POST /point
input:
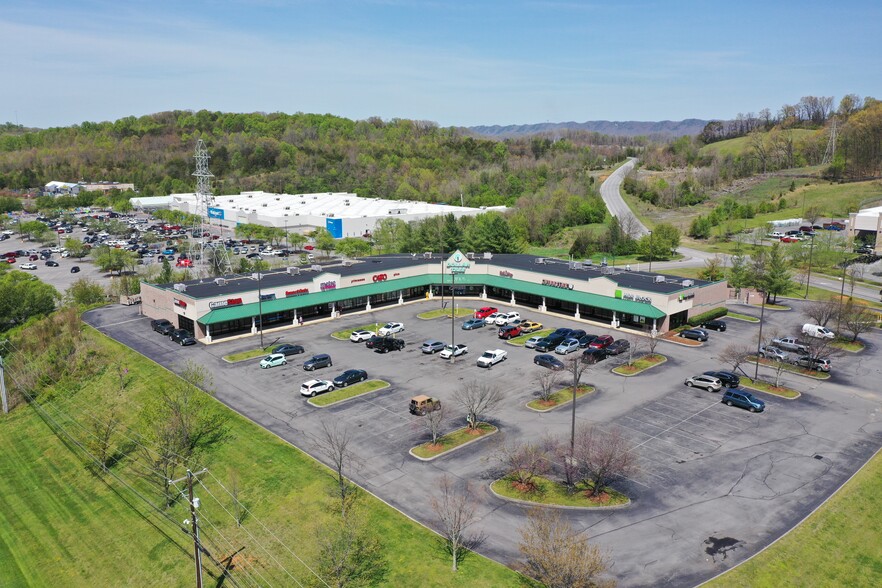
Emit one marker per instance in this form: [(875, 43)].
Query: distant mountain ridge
[(629, 128)]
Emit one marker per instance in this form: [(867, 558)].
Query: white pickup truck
[(491, 357)]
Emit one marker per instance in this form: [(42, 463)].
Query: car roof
[(420, 398), (313, 382)]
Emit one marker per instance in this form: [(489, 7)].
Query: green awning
[(231, 313)]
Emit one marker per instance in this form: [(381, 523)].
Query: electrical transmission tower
[(219, 257), (830, 153)]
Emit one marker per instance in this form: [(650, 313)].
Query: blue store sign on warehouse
[(335, 227), (216, 213)]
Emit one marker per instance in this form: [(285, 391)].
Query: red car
[(601, 342), (10, 260), (184, 263), (485, 312), (789, 239), (308, 247), (509, 331)]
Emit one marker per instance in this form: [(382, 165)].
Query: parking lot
[(708, 472)]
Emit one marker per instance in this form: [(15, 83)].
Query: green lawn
[(743, 317), (62, 526), (348, 392), (445, 312), (521, 339), (640, 364), (551, 492), (249, 354), (740, 145), (770, 388), (451, 441), (836, 546), (852, 346), (344, 334), (564, 396)]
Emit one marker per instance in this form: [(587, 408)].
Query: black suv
[(716, 325), (318, 361), (178, 335), (350, 377), (696, 334), (389, 344), (373, 341), (594, 355), (158, 324), (549, 343), (288, 349), (728, 379)]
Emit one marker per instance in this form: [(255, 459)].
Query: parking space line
[(140, 318), (676, 424)]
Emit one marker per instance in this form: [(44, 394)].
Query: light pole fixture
[(260, 305), (808, 276)]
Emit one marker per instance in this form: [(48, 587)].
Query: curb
[(556, 406), (444, 316), (452, 449), (744, 320), (341, 401), (641, 371), (560, 506), (798, 393), (233, 362)]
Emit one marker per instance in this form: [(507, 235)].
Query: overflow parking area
[(708, 471)]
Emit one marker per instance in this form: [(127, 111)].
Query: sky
[(457, 63)]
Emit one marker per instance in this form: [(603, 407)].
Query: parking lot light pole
[(650, 251), (260, 306), (452, 317), (808, 276), (759, 340)]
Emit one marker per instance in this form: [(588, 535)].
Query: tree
[(739, 274), (490, 232), (165, 275), (524, 461), (663, 241), (85, 292), (353, 247), (433, 422), (392, 235), (736, 354), (350, 554), (23, 296), (456, 510), (546, 380), (111, 259), (601, 457), (713, 269), (558, 557), (180, 422), (76, 248), (777, 279), (333, 442), (324, 241), (857, 319), (30, 228), (478, 400), (103, 427), (821, 311)]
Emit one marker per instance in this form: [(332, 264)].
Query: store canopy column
[(577, 315), (484, 293), (400, 297), (208, 333), (368, 305), (512, 298), (253, 326), (543, 307), (615, 321)]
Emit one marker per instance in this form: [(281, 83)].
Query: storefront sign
[(264, 297), (554, 284), (396, 274), (180, 303), (636, 298), (357, 280), (458, 263), (328, 285), (685, 297), (299, 292), (506, 274), (380, 278), (225, 303)]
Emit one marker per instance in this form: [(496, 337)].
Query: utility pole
[(808, 277), (194, 524), (3, 387)]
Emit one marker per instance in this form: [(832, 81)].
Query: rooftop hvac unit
[(348, 262), (220, 281), (587, 263), (576, 265), (277, 199), (488, 255), (264, 204), (180, 287), (427, 255), (470, 254), (606, 270), (287, 208), (293, 271), (250, 196), (255, 276), (687, 283), (346, 203), (315, 268), (540, 260), (659, 279)]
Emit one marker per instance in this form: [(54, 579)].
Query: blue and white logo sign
[(458, 263), (216, 213)]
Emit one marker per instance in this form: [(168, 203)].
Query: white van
[(817, 331), (776, 235)]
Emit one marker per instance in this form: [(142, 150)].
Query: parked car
[(531, 342), (548, 343), (562, 332), (618, 346), (287, 349), (576, 334), (473, 323), (817, 331), (390, 328), (177, 334), (485, 311), (422, 404), (451, 351), (507, 318), (716, 325), (601, 342), (772, 352), (548, 361), (432, 346), (359, 336), (490, 319), (387, 344), (586, 340), (51, 263), (743, 399), (350, 377), (491, 357), (27, 266), (157, 324), (695, 334), (373, 341), (313, 387), (509, 331), (272, 360), (814, 363), (530, 326), (74, 269), (165, 330), (790, 344), (709, 383), (567, 346), (593, 355), (318, 361), (729, 379), (188, 340)]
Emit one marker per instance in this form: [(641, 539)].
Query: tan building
[(106, 186)]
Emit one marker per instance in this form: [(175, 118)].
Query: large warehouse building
[(224, 307), (866, 225), (343, 214)]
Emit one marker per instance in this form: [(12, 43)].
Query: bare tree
[(601, 457), (652, 341), (857, 319), (103, 426), (235, 492), (350, 555), (478, 400), (433, 422), (630, 225), (822, 311), (546, 380), (557, 556), (575, 367), (736, 354), (333, 442), (456, 511), (635, 344), (524, 461)]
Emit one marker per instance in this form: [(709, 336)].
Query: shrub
[(707, 316)]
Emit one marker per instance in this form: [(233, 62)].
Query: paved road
[(716, 484), (612, 197)]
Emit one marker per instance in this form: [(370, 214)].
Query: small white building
[(56, 188), (864, 222)]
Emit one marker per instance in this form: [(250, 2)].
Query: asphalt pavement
[(716, 483)]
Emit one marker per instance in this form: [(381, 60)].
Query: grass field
[(445, 312), (60, 525), (248, 354), (836, 546), (559, 398), (344, 334), (550, 492), (348, 392), (769, 388), (740, 145), (640, 364)]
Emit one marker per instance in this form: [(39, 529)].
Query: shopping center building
[(215, 309)]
